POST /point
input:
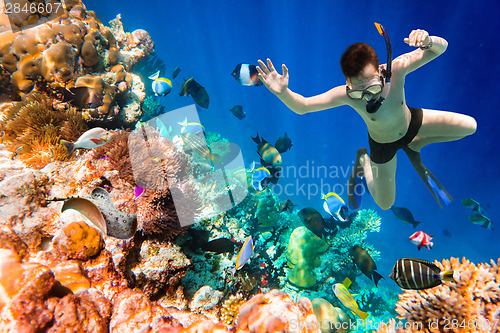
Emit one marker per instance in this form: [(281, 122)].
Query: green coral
[(303, 255), (267, 209), (151, 107)]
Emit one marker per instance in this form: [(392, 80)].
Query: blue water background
[(206, 39)]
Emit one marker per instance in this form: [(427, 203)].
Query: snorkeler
[(377, 94)]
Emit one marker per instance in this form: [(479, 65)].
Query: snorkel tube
[(372, 107)]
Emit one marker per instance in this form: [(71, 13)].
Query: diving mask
[(372, 88)]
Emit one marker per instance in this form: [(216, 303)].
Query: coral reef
[(471, 303), (159, 265), (63, 53), (275, 311), (304, 255)]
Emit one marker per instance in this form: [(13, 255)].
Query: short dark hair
[(356, 57)]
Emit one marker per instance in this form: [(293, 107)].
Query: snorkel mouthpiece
[(372, 106)]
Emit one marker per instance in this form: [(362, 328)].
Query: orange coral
[(471, 303), (78, 240)]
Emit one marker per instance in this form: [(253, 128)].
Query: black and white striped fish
[(418, 274)]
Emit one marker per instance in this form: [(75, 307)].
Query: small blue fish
[(335, 206), (193, 128), (244, 255), (260, 177), (161, 86)]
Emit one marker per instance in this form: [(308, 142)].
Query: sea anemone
[(33, 129)]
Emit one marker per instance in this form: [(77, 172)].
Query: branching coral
[(32, 129), (471, 303), (230, 309)]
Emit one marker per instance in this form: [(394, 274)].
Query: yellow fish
[(345, 297)]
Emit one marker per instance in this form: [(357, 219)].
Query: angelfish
[(93, 138), (244, 255)]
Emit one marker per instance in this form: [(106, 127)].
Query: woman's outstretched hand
[(275, 82)]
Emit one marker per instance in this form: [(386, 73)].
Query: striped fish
[(418, 274), (345, 297)]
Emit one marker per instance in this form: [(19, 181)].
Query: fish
[(422, 239), (244, 255), (345, 297), (365, 263), (418, 274), (446, 232), (286, 205), (196, 90), (83, 97), (260, 177), (335, 206), (481, 221), (313, 221), (92, 138), (405, 215), (473, 205), (99, 209), (246, 74), (176, 72), (269, 157), (161, 86), (237, 110), (191, 127), (219, 245), (283, 144)]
